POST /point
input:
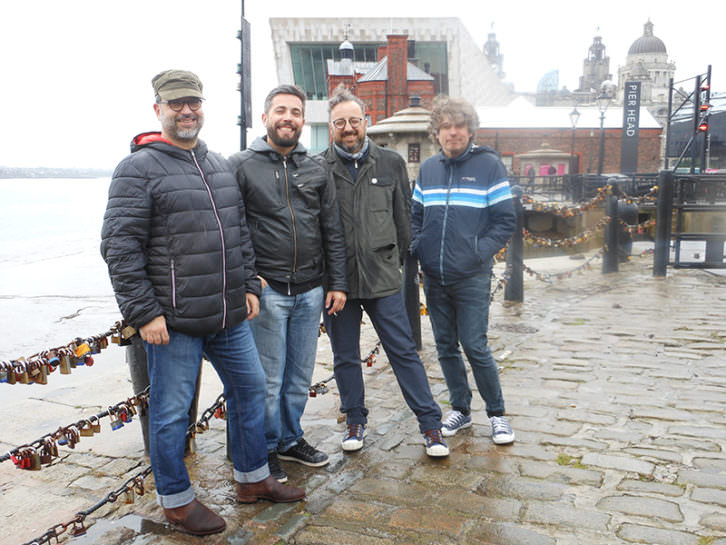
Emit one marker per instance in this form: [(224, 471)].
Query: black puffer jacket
[(172, 240), (292, 215)]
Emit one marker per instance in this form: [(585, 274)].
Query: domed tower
[(647, 62)]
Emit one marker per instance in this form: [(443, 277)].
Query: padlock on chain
[(115, 421), (86, 429), (65, 362), (95, 423)]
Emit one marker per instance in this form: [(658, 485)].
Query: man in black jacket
[(183, 273), (298, 242), (374, 197)]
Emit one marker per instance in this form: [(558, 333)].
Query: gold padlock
[(127, 332), (86, 429), (35, 464), (65, 364), (21, 371), (95, 424)]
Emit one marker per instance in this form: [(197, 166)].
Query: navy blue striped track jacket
[(461, 215)]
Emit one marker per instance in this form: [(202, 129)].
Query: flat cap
[(176, 84)]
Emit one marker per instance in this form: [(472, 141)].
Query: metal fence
[(696, 203)]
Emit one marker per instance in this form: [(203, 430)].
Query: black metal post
[(601, 152), (610, 258), (668, 122), (706, 102), (411, 298), (514, 289), (245, 87), (696, 121), (663, 220)]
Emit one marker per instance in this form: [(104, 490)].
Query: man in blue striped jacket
[(462, 214)]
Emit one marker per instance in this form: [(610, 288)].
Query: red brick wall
[(396, 88), (587, 142)]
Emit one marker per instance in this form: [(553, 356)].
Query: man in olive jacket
[(374, 197)]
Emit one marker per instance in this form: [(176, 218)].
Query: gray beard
[(187, 134)]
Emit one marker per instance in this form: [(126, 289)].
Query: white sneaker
[(455, 421), (502, 433), (435, 444), (353, 438)]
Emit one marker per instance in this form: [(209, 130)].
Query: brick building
[(522, 128), (385, 86)]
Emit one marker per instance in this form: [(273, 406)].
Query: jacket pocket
[(380, 193), (173, 284)]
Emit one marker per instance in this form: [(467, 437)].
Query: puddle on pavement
[(138, 524)]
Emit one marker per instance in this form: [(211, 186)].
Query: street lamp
[(574, 117), (603, 101)]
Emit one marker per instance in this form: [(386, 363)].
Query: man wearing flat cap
[(183, 274)]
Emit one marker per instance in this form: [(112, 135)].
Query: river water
[(53, 282)]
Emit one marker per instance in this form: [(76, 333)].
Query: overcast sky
[(75, 75)]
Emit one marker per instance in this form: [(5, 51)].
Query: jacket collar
[(153, 139), (260, 145)]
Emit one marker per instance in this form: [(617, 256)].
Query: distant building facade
[(595, 68), (442, 48), (520, 129), (386, 86), (647, 62)]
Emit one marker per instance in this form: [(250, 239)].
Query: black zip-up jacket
[(175, 239), (375, 209), (293, 217)]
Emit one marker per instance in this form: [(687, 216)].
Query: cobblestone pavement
[(615, 386)]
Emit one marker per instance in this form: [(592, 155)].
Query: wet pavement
[(615, 385)]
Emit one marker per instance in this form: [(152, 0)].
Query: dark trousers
[(388, 316)]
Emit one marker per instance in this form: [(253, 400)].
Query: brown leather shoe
[(269, 489), (195, 518)]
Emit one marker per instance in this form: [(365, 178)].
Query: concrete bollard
[(136, 360), (514, 289)]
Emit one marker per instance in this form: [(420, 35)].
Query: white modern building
[(441, 47)]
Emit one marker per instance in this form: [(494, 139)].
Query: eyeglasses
[(178, 105), (354, 122)]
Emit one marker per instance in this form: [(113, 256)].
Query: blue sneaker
[(435, 444), (455, 421), (353, 438), (502, 433)]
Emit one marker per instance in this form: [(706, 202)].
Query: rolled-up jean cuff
[(254, 476), (176, 500)]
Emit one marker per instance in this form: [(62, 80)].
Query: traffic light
[(703, 126)]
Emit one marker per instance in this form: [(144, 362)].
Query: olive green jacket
[(375, 211)]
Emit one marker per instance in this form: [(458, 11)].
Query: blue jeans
[(173, 371), (286, 335), (390, 321), (459, 312)]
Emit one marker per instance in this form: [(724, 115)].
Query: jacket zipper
[(173, 285), (443, 223), (221, 236), (292, 217)]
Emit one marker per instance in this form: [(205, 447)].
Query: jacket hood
[(155, 140), (260, 145), (472, 149)]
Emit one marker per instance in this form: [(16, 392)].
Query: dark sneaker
[(435, 444), (275, 467), (455, 421), (304, 453), (502, 433), (353, 438)]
